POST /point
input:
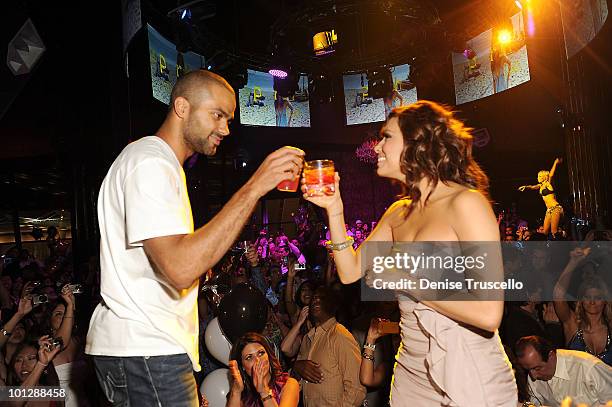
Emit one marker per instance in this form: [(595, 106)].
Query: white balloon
[(215, 387), (216, 343)]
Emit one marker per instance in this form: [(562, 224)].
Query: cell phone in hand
[(389, 327), (299, 266)]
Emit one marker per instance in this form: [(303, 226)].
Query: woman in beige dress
[(451, 354)]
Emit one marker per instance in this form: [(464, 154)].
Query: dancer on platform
[(554, 210), (144, 333), (451, 354)]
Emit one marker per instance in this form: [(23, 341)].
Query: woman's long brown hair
[(437, 146)]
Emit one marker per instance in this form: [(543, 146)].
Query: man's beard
[(199, 145)]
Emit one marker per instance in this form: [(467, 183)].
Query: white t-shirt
[(144, 195)]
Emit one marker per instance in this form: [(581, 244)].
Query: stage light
[(185, 14), (278, 73), (504, 37), (518, 4)]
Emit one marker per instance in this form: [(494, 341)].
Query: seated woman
[(256, 376), (588, 328), (31, 366)]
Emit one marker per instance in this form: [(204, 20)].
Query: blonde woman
[(554, 210)]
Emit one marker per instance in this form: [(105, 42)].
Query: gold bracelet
[(340, 246)]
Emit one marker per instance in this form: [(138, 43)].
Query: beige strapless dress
[(442, 363)]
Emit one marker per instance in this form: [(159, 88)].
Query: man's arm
[(183, 258)]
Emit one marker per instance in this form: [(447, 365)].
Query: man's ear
[(181, 107)]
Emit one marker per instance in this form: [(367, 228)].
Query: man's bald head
[(195, 86)]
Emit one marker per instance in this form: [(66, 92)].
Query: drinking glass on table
[(319, 177)]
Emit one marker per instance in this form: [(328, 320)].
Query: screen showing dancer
[(261, 105), (362, 108), (492, 62), (167, 64)]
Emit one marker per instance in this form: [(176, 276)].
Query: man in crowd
[(329, 358), (558, 373)]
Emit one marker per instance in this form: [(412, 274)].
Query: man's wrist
[(251, 190)]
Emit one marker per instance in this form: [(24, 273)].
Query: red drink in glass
[(289, 185), (319, 177)]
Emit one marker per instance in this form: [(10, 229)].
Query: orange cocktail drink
[(319, 177)]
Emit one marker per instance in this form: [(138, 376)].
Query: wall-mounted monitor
[(261, 105), (167, 64), (362, 108), (492, 62)]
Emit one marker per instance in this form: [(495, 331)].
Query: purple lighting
[(278, 73)]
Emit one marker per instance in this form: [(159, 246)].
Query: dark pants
[(147, 381)]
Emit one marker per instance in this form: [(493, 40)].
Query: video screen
[(260, 105), (582, 20), (492, 62), (361, 108), (167, 64)]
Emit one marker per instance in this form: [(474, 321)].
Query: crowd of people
[(295, 273), (46, 305)]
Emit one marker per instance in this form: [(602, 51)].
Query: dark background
[(63, 124)]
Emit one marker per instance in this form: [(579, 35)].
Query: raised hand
[(236, 383), (521, 188), (25, 305), (67, 294), (374, 332), (303, 315), (284, 163), (46, 350), (259, 377), (322, 200), (579, 253)]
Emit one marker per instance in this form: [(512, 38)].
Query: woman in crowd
[(554, 210), (588, 328), (70, 364), (31, 366), (451, 353), (12, 334), (256, 377)]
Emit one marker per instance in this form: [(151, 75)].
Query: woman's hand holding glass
[(329, 202)]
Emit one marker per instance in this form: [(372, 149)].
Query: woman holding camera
[(70, 364), (31, 366), (256, 378)]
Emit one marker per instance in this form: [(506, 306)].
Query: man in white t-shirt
[(144, 333)]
